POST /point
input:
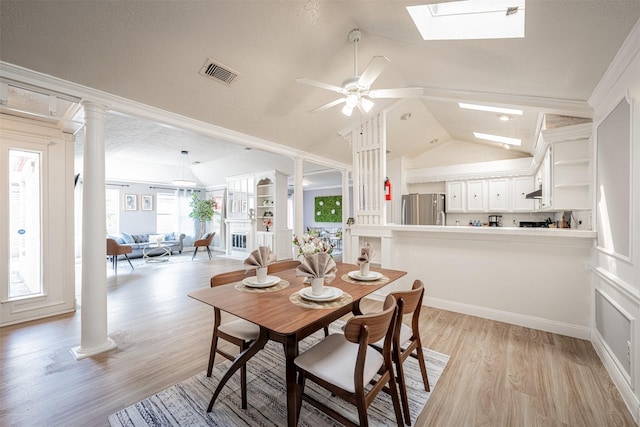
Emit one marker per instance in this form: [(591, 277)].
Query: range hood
[(535, 194)]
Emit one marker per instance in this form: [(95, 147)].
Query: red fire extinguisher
[(387, 189)]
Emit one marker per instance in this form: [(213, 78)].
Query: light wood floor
[(498, 374)]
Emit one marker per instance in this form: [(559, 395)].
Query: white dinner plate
[(252, 282), (329, 294), (373, 275)]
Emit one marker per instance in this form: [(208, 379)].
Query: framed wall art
[(146, 202), (328, 209), (130, 202)]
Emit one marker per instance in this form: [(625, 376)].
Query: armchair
[(114, 249), (204, 242)]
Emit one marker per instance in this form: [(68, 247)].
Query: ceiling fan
[(357, 89)]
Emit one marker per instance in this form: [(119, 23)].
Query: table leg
[(290, 353), (239, 361)]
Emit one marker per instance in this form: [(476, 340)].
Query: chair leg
[(423, 366), (394, 398), (194, 253), (326, 331), (209, 252), (243, 379), (300, 392), (403, 389), (127, 256), (115, 264), (214, 347)]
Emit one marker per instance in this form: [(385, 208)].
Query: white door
[(36, 225)]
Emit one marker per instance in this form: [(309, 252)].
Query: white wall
[(615, 297), (460, 152), (309, 203)]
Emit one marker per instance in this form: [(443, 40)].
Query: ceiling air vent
[(219, 72)]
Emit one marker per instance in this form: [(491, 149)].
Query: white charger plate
[(252, 282), (373, 275), (329, 294)]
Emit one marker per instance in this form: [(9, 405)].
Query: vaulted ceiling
[(151, 52)]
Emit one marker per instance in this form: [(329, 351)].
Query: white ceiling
[(151, 53)]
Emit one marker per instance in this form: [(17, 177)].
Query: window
[(167, 218), (113, 210), (470, 19), (25, 224)]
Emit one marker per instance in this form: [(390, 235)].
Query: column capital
[(94, 107)]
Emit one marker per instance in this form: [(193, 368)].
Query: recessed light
[(506, 146), (498, 138), (433, 141), (405, 116), (248, 148), (504, 118), (490, 108)]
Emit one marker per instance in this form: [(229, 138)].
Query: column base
[(80, 353)]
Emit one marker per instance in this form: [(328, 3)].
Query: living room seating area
[(138, 242)]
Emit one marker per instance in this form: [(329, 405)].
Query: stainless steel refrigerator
[(423, 209)]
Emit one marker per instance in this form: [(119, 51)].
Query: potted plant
[(202, 210)]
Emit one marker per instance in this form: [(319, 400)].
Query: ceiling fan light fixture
[(352, 100), (347, 110), (185, 177), (366, 104)]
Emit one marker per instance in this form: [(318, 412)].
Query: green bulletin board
[(328, 209)]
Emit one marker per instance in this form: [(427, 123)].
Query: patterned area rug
[(185, 404)]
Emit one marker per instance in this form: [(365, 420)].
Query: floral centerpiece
[(267, 223), (309, 245)]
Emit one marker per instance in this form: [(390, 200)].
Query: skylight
[(470, 19), (490, 108), (497, 138)]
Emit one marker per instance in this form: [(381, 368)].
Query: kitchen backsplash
[(581, 220)]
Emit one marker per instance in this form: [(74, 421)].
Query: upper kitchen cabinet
[(523, 185), (456, 194), (566, 168), (498, 194), (476, 196)]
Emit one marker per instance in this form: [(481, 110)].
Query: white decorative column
[(93, 307), (347, 254), (298, 197)]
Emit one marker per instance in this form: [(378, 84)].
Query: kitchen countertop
[(390, 229)]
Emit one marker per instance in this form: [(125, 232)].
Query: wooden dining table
[(283, 321)]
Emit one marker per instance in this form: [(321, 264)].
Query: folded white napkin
[(318, 265), (260, 258), (366, 254)]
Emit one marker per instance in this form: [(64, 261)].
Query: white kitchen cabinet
[(522, 185), (455, 201), (565, 170), (498, 194), (476, 196)]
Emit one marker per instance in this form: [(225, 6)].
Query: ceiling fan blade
[(328, 105), (405, 92), (373, 70), (321, 85)]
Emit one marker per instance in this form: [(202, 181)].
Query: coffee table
[(157, 253)]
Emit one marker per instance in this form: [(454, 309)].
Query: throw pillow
[(128, 238), (153, 238), (170, 236)]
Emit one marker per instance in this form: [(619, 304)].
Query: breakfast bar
[(533, 277)]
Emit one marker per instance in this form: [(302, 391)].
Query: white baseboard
[(538, 323), (617, 374)]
